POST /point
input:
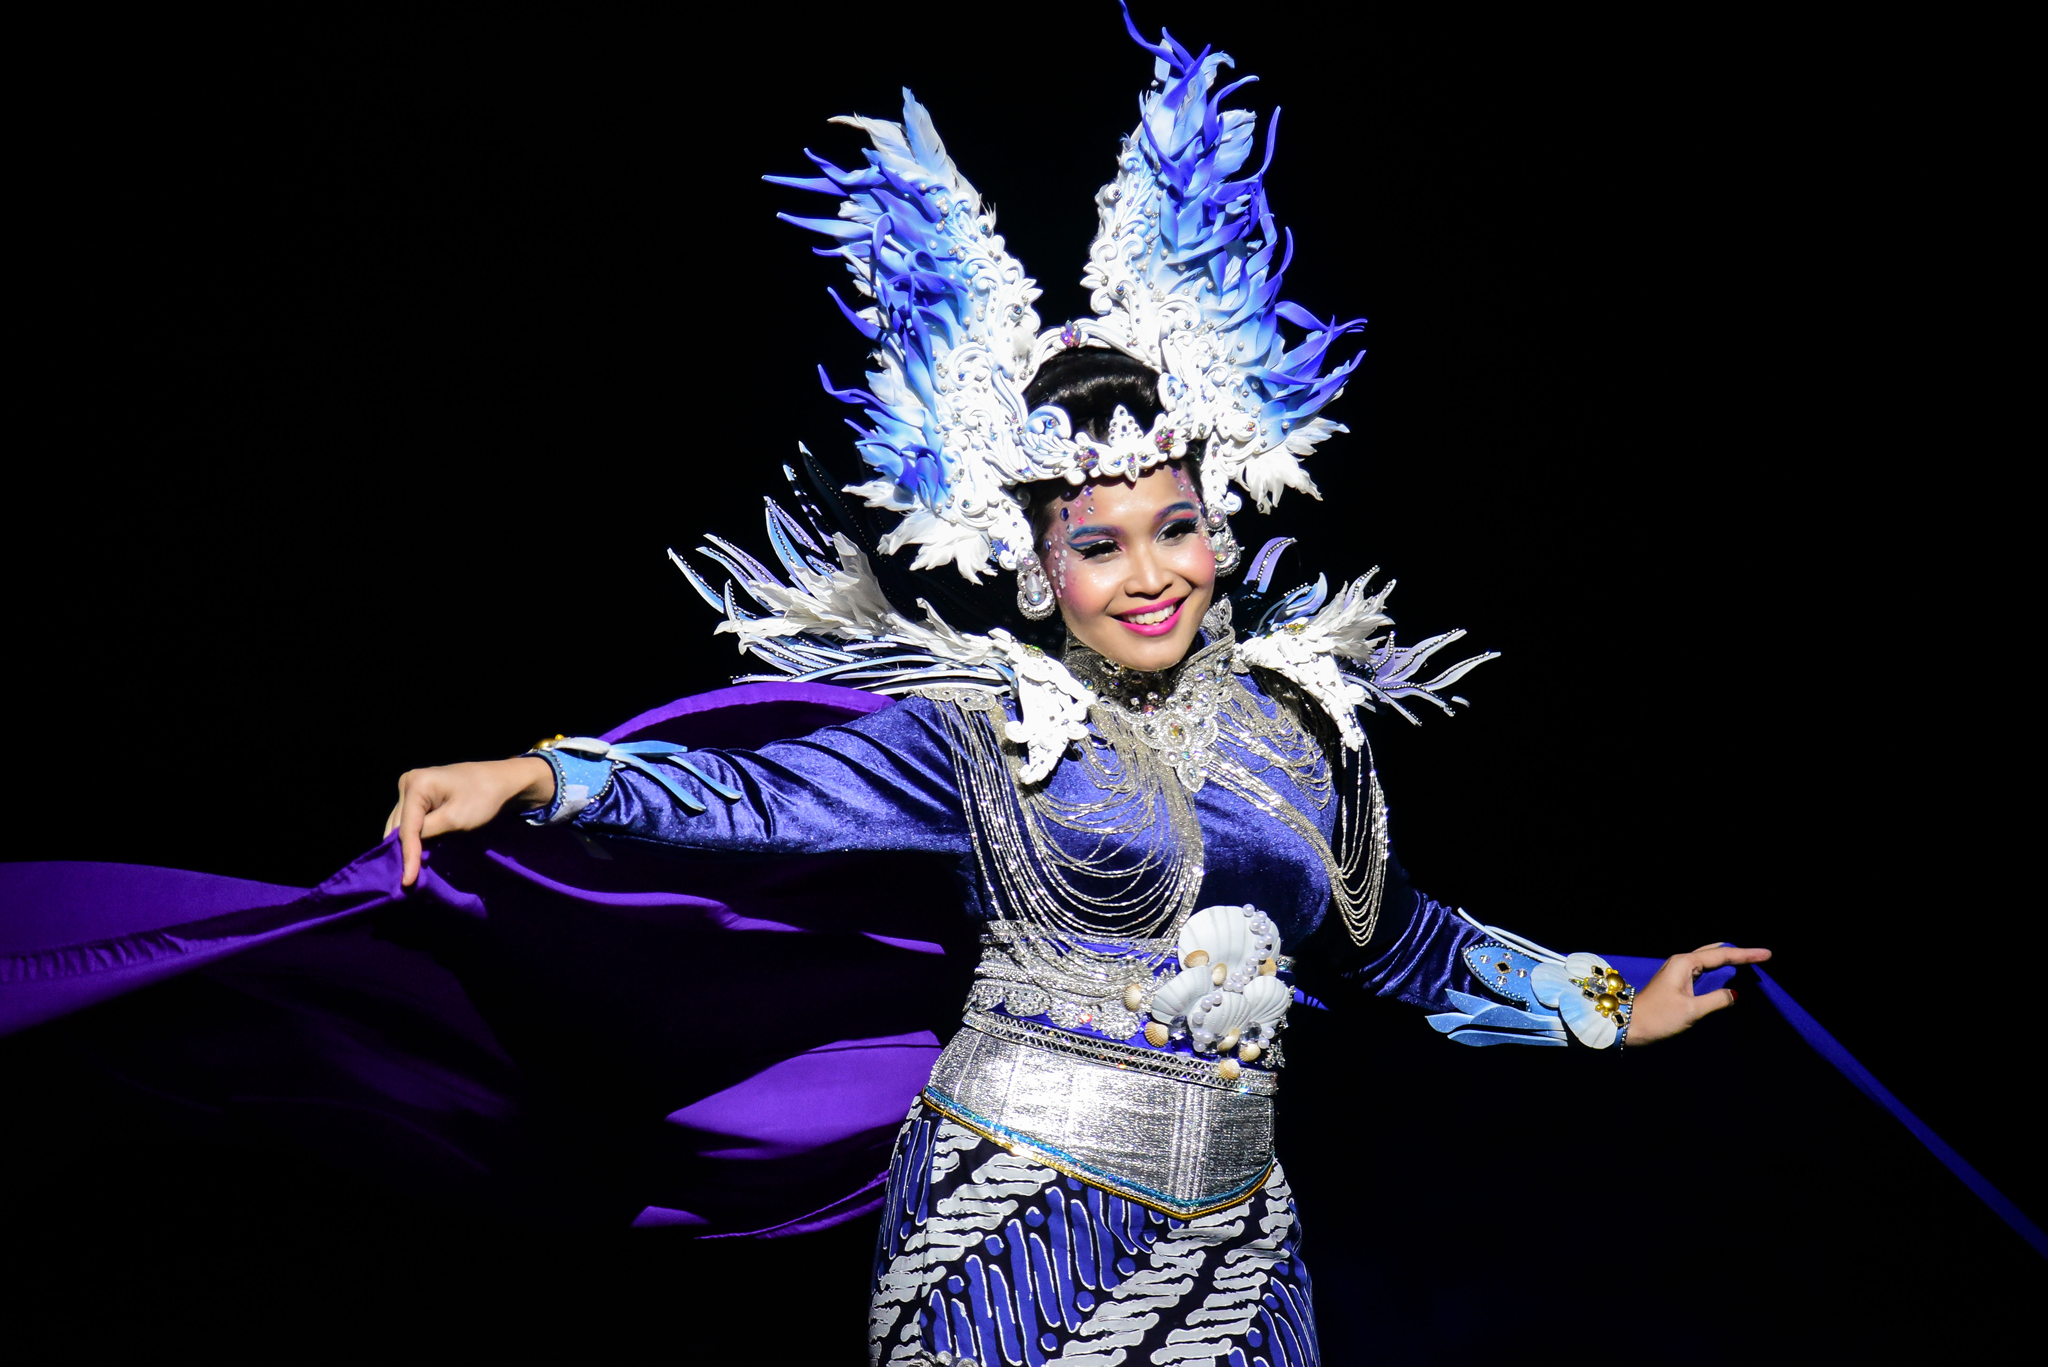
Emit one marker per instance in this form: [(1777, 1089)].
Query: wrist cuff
[(1579, 996), (579, 781)]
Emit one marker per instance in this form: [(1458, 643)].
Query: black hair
[(1089, 384)]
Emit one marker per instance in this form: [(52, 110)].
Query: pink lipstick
[(1159, 628)]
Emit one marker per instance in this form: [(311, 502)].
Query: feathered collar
[(833, 624)]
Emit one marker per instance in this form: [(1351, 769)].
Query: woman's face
[(1132, 568)]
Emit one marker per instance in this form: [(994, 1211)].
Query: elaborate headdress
[(1184, 275)]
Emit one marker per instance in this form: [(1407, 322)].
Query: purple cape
[(535, 1028)]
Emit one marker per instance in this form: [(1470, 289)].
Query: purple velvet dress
[(992, 1248)]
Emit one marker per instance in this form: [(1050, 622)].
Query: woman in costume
[(1159, 826)]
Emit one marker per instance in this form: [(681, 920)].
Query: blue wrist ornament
[(1549, 994), (584, 766)]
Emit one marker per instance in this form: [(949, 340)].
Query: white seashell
[(1266, 1000), (1177, 995), (1228, 1070), (1219, 975), (1229, 1016), (1249, 1053), (1584, 965), (1220, 932), (1594, 1030), (1134, 997), (1227, 1043), (1549, 982)]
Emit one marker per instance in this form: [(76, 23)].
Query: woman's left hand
[(1666, 1005)]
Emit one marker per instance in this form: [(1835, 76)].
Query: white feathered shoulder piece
[(1341, 652), (831, 623), (828, 621)]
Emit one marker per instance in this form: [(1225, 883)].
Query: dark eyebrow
[(1183, 506)]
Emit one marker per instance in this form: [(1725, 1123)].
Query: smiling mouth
[(1153, 621)]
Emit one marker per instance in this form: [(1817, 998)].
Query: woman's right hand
[(462, 797)]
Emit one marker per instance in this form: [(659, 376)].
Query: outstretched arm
[(1487, 986), (883, 782)]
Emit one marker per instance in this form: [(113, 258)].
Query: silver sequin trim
[(1124, 1057)]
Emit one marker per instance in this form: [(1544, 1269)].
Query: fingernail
[(1733, 996)]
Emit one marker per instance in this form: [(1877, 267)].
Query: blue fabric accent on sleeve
[(579, 781), (1485, 1037)]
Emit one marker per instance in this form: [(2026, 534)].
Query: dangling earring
[(1034, 593), (1222, 541)]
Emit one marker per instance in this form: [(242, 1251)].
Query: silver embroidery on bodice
[(1090, 876), (1088, 893)]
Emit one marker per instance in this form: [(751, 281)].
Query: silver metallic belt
[(1178, 1147)]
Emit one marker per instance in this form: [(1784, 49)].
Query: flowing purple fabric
[(754, 1042)]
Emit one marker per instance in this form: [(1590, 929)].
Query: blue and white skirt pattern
[(987, 1257)]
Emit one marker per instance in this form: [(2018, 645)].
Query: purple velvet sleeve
[(1417, 960), (882, 782)]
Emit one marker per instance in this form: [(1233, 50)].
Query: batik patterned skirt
[(990, 1258)]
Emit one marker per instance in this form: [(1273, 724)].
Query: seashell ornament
[(1268, 999), (1227, 991), (1554, 987), (1177, 996), (1226, 1019)]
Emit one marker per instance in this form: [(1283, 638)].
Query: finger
[(440, 821), (1720, 956), (391, 821), (409, 836), (1720, 999)]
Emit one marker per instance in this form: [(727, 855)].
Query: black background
[(369, 368)]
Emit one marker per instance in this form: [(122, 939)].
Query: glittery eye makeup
[(1095, 542), (1056, 563)]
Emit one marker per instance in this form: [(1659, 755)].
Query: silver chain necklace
[(1172, 711)]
